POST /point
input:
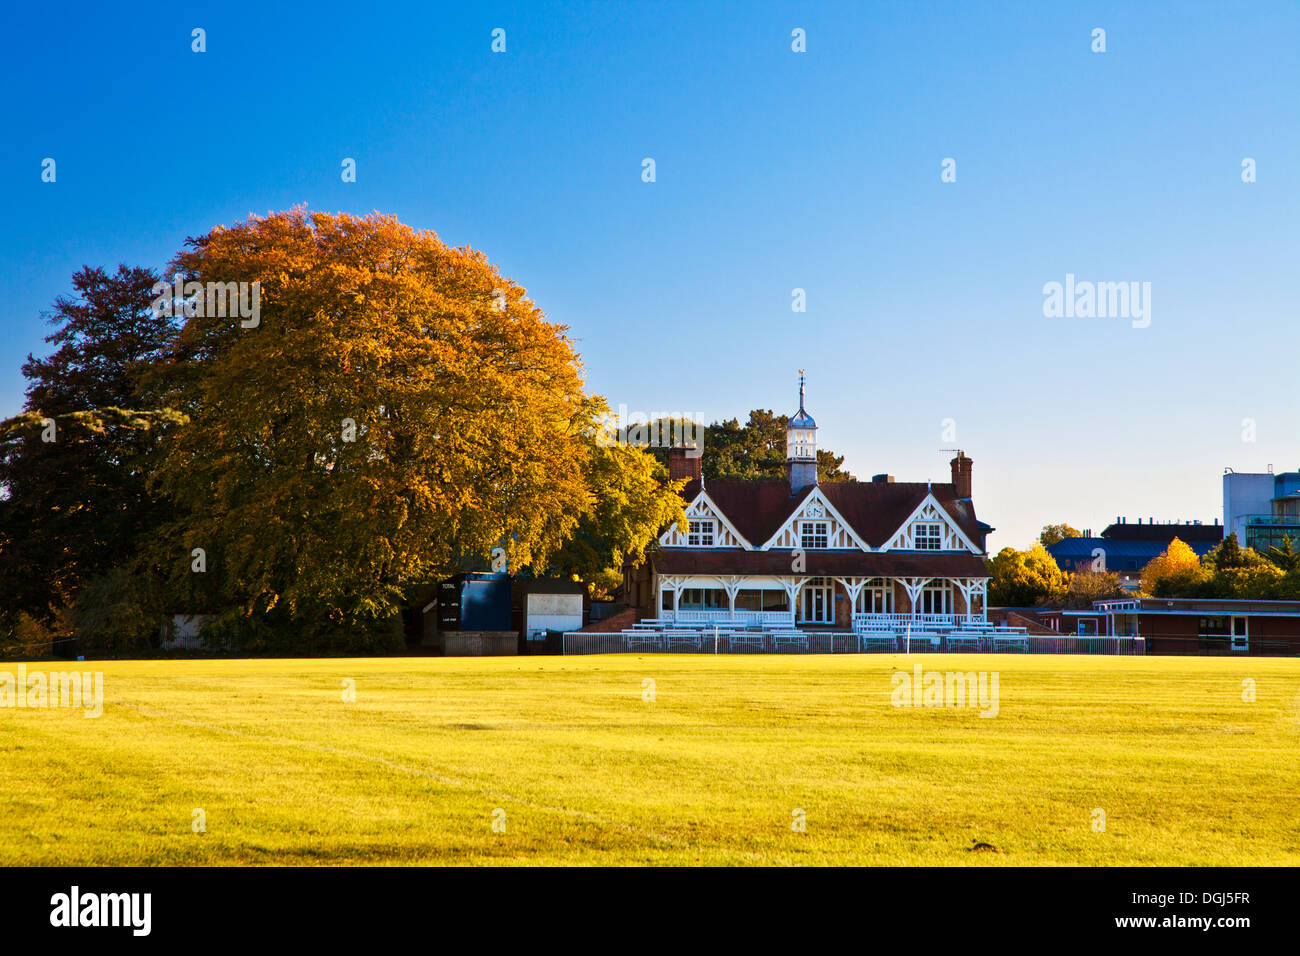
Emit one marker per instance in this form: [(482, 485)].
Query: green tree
[(1285, 555), (1025, 578), (634, 502), (1231, 571), (753, 451), (73, 495)]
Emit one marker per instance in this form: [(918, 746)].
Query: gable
[(817, 514), (721, 532), (873, 513), (930, 524)]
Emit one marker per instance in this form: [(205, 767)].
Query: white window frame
[(930, 532), (807, 528), (826, 587), (877, 597), (944, 591), (1239, 642), (698, 529)]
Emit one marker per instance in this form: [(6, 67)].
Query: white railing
[(723, 616), (865, 622), (989, 640)]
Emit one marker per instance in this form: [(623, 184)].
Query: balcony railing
[(1273, 521), (864, 622), (724, 616)]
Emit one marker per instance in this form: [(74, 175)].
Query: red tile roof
[(875, 510)]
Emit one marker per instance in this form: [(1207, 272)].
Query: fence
[(839, 642)]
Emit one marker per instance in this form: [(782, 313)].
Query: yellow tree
[(395, 409), (1174, 573)]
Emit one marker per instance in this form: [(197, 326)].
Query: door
[(817, 604), (1241, 634)]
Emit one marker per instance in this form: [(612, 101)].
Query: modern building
[(817, 555), (1125, 548), (1262, 509)]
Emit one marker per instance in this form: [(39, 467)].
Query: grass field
[(711, 771)]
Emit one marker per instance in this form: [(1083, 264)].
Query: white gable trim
[(816, 508), (702, 506), (930, 511)]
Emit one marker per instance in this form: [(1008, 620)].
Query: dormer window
[(814, 534), (927, 537), (700, 533)]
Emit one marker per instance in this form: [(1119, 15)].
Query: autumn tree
[(634, 503), (1025, 578), (1085, 587), (396, 408), (1176, 572), (1053, 533), (73, 496)]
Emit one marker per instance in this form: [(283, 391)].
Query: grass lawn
[(710, 772)]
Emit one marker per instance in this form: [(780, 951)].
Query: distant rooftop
[(1188, 531)]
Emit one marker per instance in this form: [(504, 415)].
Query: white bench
[(683, 638), (748, 638), (789, 639), (965, 641), (879, 641), (643, 638)]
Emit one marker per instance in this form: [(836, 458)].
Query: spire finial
[(801, 389)]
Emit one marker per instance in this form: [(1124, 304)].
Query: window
[(877, 597), (1222, 628), (1214, 626), (775, 601), (700, 534), (928, 537), (936, 599), (701, 599), (814, 534)]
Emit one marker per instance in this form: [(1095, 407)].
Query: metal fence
[(839, 642)]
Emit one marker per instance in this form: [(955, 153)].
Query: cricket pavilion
[(873, 556)]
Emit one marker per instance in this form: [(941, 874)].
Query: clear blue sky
[(775, 170)]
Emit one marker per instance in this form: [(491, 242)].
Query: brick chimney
[(682, 465), (961, 475)]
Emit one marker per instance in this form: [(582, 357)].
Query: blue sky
[(775, 170)]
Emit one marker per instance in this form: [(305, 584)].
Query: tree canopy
[(1053, 533), (390, 411), (752, 451), (1025, 578), (73, 496), (1175, 572)]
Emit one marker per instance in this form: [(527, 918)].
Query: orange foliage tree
[(396, 409)]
